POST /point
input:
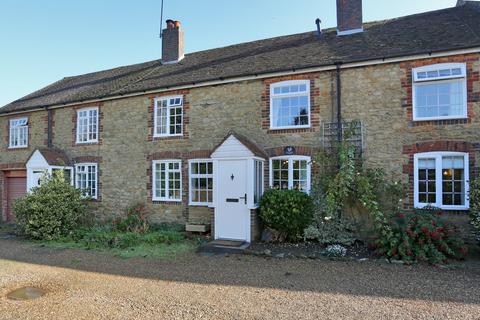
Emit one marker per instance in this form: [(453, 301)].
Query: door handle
[(244, 198)]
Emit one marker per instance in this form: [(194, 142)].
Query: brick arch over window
[(432, 146)]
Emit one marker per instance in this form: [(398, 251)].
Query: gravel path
[(91, 285)]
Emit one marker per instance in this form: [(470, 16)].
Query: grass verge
[(160, 241)]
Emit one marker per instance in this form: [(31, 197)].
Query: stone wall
[(376, 95)]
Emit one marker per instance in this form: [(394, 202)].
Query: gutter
[(293, 71)]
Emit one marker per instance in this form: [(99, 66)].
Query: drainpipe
[(49, 127), (339, 102)]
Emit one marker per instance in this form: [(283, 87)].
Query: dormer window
[(290, 104), (440, 92), (18, 135)]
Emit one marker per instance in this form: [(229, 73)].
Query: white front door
[(34, 177), (232, 216)]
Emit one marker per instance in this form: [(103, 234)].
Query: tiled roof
[(55, 157), (442, 30)]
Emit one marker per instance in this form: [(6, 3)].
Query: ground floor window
[(86, 179), (441, 180), (201, 182), (167, 180), (290, 172)]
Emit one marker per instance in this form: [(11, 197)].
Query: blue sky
[(43, 41)]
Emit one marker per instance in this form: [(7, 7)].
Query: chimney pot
[(172, 43), (349, 17)]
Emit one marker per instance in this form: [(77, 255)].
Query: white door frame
[(250, 190)]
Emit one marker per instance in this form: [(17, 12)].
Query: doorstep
[(224, 246)]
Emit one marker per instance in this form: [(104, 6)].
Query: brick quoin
[(314, 107), (151, 114), (432, 146), (473, 75)]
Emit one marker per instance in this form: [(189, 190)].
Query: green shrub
[(135, 220), (336, 230), (51, 211), (423, 235), (475, 205), (287, 211)]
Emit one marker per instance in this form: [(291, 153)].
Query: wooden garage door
[(16, 188)]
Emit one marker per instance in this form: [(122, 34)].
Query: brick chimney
[(172, 43), (349, 17)]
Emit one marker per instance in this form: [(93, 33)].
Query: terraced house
[(198, 137)]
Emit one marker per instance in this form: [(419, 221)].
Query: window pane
[(440, 99)]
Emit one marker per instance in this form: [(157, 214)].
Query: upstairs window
[(18, 133), (290, 172), (86, 179), (168, 117), (441, 180), (290, 104), (87, 125), (440, 92)]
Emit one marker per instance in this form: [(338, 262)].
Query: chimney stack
[(172, 43), (349, 17)]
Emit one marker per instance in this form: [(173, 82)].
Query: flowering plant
[(423, 235)]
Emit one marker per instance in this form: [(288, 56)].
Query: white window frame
[(280, 95), (290, 170), (438, 179), (258, 183), (199, 175), (154, 182), (88, 132), (440, 79), (88, 164), (157, 101), (17, 130)]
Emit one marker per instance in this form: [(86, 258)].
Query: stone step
[(224, 246)]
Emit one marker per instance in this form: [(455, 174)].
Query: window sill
[(446, 208), (17, 148), (86, 142), (440, 118), (289, 128), (168, 136), (200, 204), (163, 200)]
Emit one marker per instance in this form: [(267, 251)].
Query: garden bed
[(309, 250)]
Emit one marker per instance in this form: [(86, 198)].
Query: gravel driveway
[(91, 285)]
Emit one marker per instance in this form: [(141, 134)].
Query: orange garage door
[(16, 188)]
